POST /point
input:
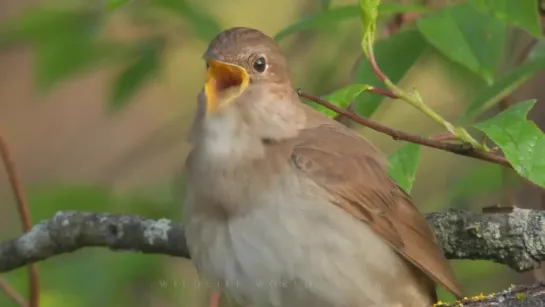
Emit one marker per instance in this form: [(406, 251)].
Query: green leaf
[(392, 62), (332, 16), (493, 94), (65, 41), (538, 51), (320, 20), (341, 98), (466, 36), (114, 4), (203, 24), (369, 16), (62, 57), (135, 74), (522, 13), (42, 23), (521, 141), (403, 165)]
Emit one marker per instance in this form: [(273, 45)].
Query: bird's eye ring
[(260, 65)]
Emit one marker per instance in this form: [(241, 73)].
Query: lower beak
[(224, 83)]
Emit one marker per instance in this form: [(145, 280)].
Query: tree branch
[(514, 237), (24, 215), (69, 231), (13, 294), (459, 149), (516, 296)]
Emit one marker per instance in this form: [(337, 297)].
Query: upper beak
[(224, 82)]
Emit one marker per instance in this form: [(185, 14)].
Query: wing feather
[(354, 173)]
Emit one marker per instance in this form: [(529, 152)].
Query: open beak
[(224, 82)]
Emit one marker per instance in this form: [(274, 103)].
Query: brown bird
[(287, 207)]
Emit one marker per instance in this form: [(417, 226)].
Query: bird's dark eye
[(260, 65)]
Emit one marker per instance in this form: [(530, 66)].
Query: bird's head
[(247, 92), (239, 59)]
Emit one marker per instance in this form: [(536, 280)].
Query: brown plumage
[(287, 207)]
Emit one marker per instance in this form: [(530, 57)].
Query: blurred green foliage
[(146, 63), (481, 180), (69, 39), (332, 16)]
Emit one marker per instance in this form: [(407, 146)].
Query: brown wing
[(354, 172)]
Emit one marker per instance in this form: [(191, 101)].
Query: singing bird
[(287, 207)]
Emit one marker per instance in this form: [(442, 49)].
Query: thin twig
[(215, 299), (415, 100), (459, 149), (374, 65), (382, 92), (24, 214), (394, 24), (13, 294), (444, 137), (391, 28)]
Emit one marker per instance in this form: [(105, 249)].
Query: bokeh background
[(75, 151)]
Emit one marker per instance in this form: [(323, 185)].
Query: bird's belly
[(299, 253)]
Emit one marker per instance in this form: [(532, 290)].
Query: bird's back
[(355, 171)]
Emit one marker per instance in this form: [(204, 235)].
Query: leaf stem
[(416, 101)]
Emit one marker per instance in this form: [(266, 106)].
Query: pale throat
[(246, 118), (225, 136)]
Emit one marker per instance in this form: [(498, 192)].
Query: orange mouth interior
[(224, 82)]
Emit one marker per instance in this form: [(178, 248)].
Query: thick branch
[(516, 296), (69, 231), (516, 239)]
